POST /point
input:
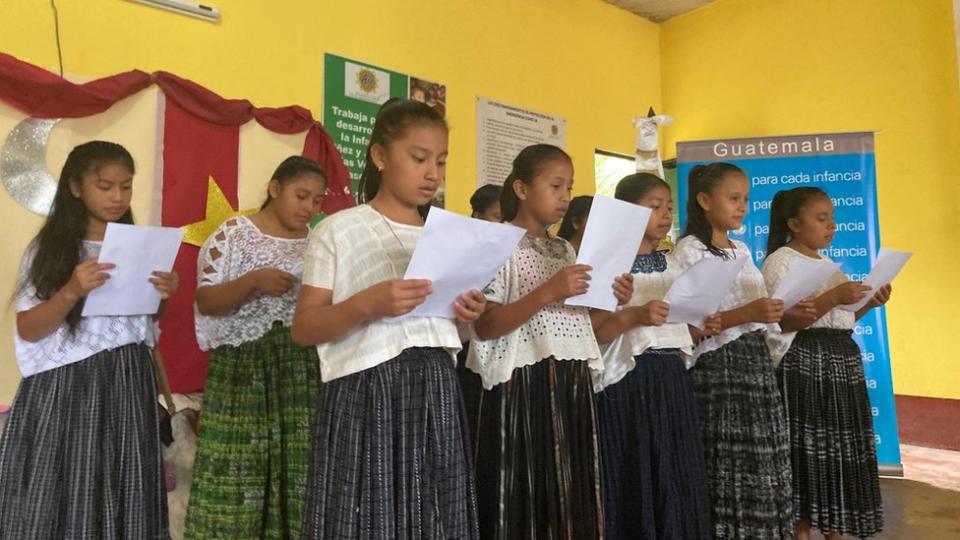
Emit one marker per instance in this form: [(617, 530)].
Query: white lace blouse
[(775, 267), (561, 331), (748, 287), (91, 336), (349, 252), (237, 248), (653, 274)]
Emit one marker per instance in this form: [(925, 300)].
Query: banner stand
[(844, 166)]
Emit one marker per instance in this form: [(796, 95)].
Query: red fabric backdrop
[(201, 139)]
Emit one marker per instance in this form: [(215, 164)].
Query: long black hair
[(578, 212), (394, 118), (483, 198), (59, 244), (786, 206), (526, 166), (291, 169), (702, 179), (633, 187)]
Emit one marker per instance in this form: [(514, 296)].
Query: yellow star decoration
[(217, 211)]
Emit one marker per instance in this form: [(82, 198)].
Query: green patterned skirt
[(253, 453)]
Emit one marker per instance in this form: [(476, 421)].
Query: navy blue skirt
[(654, 471)]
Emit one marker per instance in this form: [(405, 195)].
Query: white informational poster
[(504, 130)]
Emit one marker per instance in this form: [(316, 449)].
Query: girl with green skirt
[(261, 389)]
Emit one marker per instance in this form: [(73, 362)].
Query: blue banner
[(843, 165)]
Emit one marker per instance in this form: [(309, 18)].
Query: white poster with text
[(504, 130)]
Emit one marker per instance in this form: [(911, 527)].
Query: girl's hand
[(469, 306), (653, 313), (850, 292), (570, 281), (623, 288), (711, 325), (272, 282), (766, 310), (881, 298), (396, 297), (805, 311), (86, 277), (166, 283)]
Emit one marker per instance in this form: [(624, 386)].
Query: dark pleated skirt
[(746, 441), (836, 486), (472, 389), (80, 457), (538, 471), (390, 454), (253, 452), (654, 474)]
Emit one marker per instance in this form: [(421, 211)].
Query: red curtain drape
[(42, 94), (201, 140)]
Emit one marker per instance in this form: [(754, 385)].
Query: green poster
[(353, 93)]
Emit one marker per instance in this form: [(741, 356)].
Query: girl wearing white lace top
[(836, 486), (535, 356), (261, 388), (655, 478), (741, 411), (390, 449), (81, 456)]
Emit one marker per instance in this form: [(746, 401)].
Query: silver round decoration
[(23, 165)]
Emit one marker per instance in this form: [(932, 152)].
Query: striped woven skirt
[(538, 470), (80, 457), (746, 441), (654, 474), (253, 450), (391, 454), (836, 486), (472, 389)]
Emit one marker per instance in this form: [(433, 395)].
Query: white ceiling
[(659, 10)]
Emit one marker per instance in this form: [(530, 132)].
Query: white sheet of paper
[(888, 265), (698, 291), (804, 277), (612, 236), (458, 254), (137, 251)]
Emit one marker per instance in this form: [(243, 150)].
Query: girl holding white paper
[(537, 463), (260, 394), (655, 479), (741, 411), (391, 454), (81, 455), (836, 486)]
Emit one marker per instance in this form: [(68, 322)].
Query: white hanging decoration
[(648, 142)]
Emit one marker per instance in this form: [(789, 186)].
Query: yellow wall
[(589, 62), (733, 68), (769, 67)]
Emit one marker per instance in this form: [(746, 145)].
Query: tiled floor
[(925, 504), (916, 511), (939, 468)]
